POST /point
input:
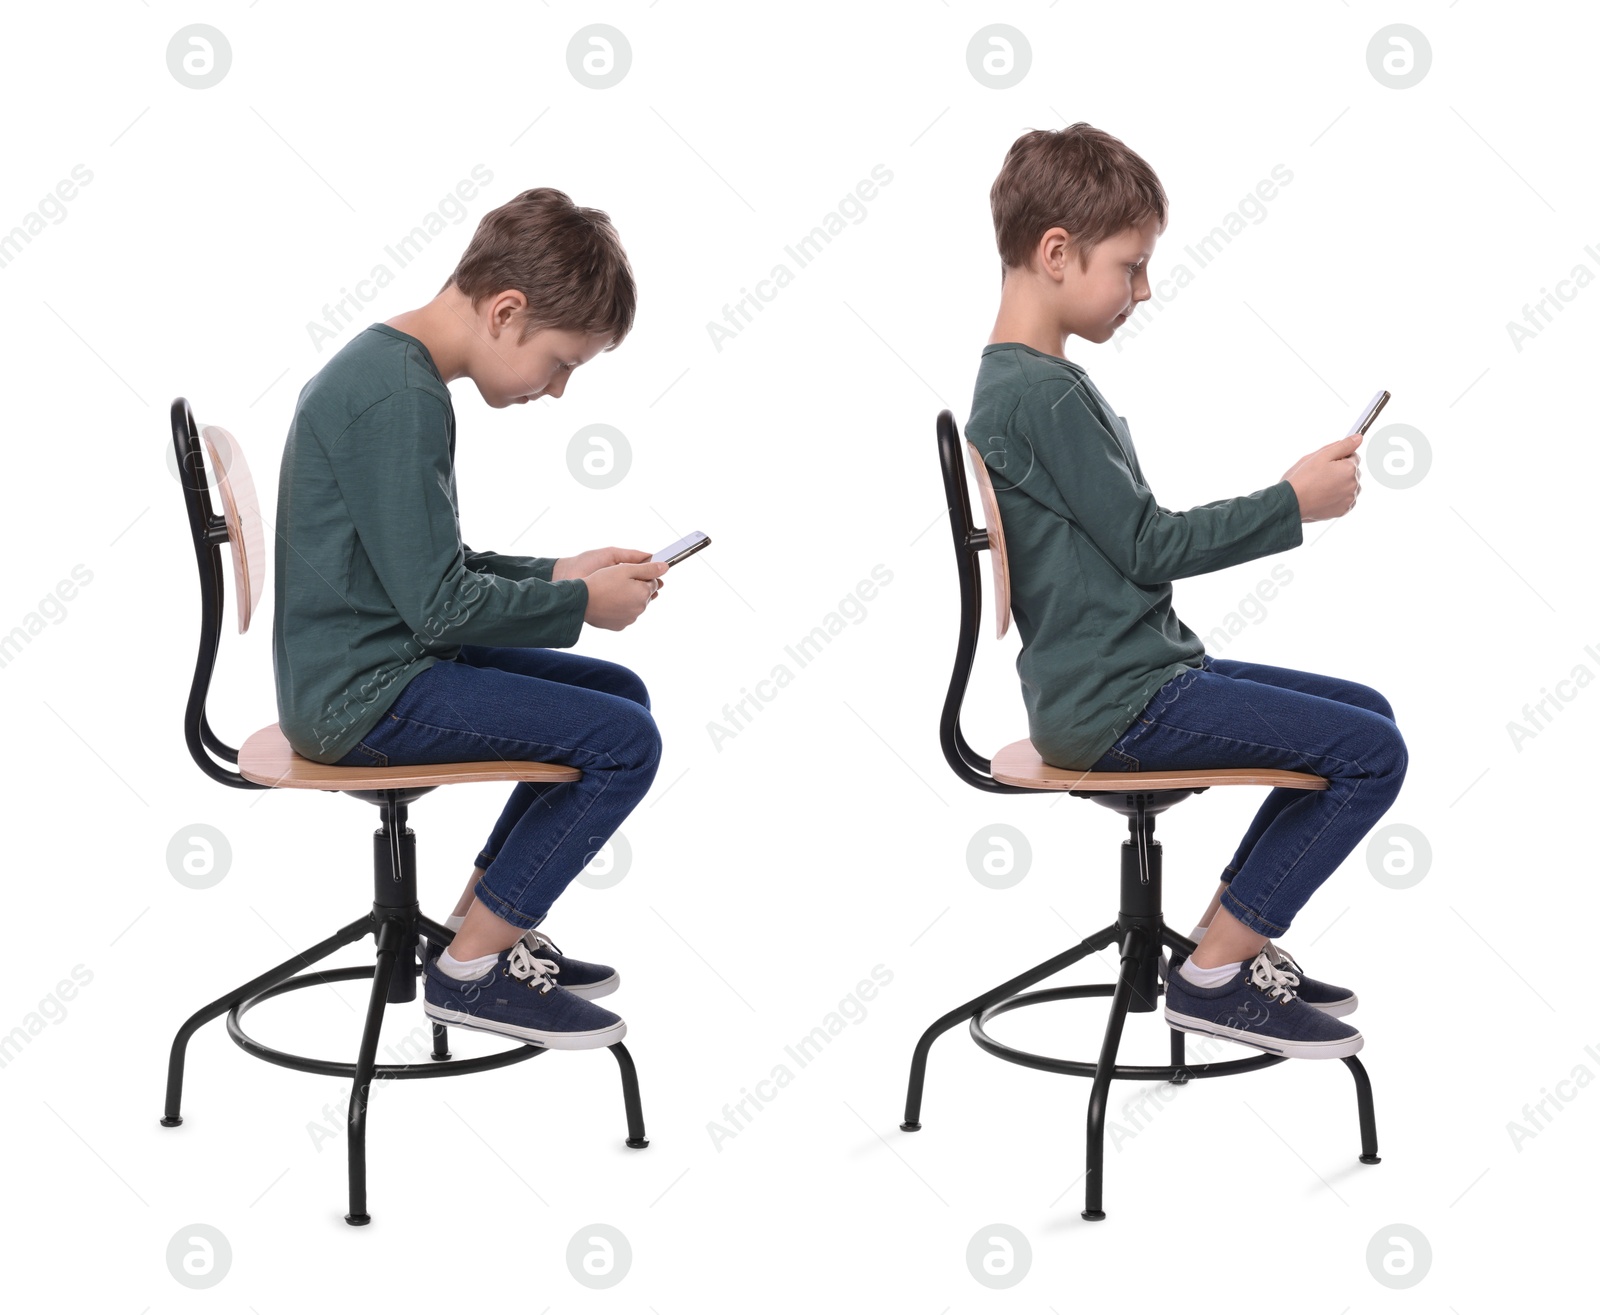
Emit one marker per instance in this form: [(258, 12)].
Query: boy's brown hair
[(565, 259), (1077, 178)]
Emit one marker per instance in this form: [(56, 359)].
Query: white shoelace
[(533, 938), (527, 967), (1286, 963), (1271, 979)]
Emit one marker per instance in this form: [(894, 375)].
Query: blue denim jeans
[(538, 705), (1242, 714)]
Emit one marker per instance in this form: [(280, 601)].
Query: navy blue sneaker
[(1335, 1001), (590, 980), (518, 997), (1258, 1007)]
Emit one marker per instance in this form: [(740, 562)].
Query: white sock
[(465, 970), (1192, 972), (1198, 934), (454, 921)]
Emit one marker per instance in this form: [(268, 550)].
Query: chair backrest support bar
[(204, 526), (971, 766)]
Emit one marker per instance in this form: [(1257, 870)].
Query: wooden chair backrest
[(242, 512), (997, 542)]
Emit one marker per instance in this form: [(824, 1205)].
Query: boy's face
[(1099, 299), (508, 372)]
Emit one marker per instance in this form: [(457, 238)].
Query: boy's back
[(1092, 554), (373, 582)]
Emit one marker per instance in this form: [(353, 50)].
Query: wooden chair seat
[(267, 759), (1020, 764)]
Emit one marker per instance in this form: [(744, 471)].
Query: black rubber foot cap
[(910, 1127), (1093, 1215), (638, 1143), (172, 1122), (446, 1055), (355, 1221), (1371, 1159)]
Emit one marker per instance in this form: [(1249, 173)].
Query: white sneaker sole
[(595, 990), (1337, 1010), (595, 1040), (1272, 1045)]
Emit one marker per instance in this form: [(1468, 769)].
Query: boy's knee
[(633, 688), (1394, 756), (642, 740)]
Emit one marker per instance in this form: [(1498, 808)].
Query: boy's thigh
[(1306, 682), (457, 712), (1205, 718), (560, 665)]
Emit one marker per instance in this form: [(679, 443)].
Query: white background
[(769, 876)]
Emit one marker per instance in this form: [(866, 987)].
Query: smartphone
[(1367, 416), (690, 544)]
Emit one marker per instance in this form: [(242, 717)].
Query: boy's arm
[(392, 465), (509, 567), (1087, 478)]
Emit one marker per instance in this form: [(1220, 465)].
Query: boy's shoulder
[(374, 365), (1009, 371)]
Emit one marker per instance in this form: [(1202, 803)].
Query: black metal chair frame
[(394, 920), (1139, 931)]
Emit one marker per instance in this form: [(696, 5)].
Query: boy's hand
[(586, 564), (617, 594), (1327, 481)]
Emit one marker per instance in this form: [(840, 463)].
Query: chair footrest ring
[(1087, 1069), (340, 1069)]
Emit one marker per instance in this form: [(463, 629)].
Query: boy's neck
[(1031, 324), (444, 326)]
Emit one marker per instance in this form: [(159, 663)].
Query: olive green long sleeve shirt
[(373, 582), (1091, 552)]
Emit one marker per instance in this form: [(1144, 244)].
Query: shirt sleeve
[(394, 470), (509, 567), (1061, 453)]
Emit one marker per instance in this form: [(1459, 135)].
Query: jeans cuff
[(509, 912), (1249, 917)]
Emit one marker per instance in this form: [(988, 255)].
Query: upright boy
[(1112, 679)]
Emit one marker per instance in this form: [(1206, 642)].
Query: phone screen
[(1369, 413), (676, 552)]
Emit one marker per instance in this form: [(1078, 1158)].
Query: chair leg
[(344, 936), (443, 936), (1132, 947), (1369, 1122), (630, 1096), (389, 935), (919, 1059)]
